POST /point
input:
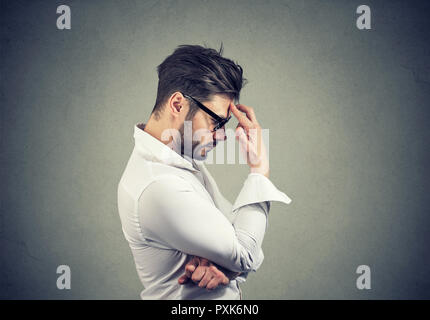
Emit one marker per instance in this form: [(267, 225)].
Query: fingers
[(207, 277), (204, 262), (183, 279), (217, 277), (205, 274), (191, 266), (213, 284), (244, 121), (221, 277), (249, 112), (243, 139), (199, 273), (189, 269)]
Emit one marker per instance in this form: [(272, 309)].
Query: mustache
[(210, 144)]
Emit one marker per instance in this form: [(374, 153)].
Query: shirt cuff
[(242, 277), (258, 188)]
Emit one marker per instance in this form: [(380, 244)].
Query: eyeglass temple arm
[(212, 114)]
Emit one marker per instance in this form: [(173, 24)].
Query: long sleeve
[(173, 213)]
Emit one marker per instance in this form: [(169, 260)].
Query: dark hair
[(200, 72)]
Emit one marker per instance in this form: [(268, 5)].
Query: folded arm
[(178, 216)]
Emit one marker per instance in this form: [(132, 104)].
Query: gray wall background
[(347, 112)]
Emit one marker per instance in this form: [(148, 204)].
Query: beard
[(197, 151)]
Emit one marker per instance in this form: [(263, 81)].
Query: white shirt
[(171, 209)]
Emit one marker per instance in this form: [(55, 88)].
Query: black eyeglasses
[(220, 122)]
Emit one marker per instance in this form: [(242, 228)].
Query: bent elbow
[(251, 261), (251, 254)]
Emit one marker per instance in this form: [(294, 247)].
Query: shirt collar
[(154, 150)]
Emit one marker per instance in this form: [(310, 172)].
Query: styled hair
[(199, 72)]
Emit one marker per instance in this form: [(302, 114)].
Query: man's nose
[(220, 135)]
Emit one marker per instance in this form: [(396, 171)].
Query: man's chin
[(199, 156)]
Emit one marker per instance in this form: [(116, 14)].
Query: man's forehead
[(223, 109)]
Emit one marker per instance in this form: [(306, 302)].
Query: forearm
[(207, 232), (250, 224)]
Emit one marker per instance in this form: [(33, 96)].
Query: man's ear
[(176, 104)]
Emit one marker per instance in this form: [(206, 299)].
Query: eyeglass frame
[(220, 121)]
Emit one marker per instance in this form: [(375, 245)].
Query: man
[(172, 212)]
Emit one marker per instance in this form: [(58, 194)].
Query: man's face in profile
[(203, 139)]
